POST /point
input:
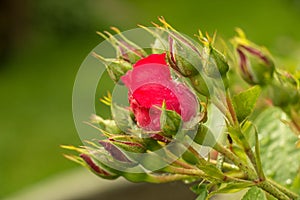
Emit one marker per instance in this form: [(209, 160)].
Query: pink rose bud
[(255, 63), (256, 67), (150, 85)]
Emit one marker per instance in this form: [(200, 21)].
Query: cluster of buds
[(200, 63), (155, 138), (138, 158), (127, 53), (257, 68), (164, 114)]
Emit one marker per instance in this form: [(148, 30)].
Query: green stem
[(246, 146), (236, 160), (224, 111), (259, 169), (283, 189), (231, 109), (167, 178), (274, 191), (226, 166)]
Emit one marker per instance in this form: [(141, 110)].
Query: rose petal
[(150, 84), (147, 73), (188, 102), (153, 58), (144, 100)]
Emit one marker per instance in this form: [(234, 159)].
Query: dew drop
[(288, 181)]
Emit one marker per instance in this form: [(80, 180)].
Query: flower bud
[(256, 67), (114, 151), (128, 144), (255, 63), (215, 64), (115, 67), (97, 169), (283, 94), (200, 85), (125, 49), (183, 56), (108, 126)]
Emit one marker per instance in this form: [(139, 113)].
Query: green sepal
[(183, 55), (200, 85), (170, 121), (151, 160), (129, 146), (125, 49), (94, 166), (220, 60), (215, 64), (187, 62)]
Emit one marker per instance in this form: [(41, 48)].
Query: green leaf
[(254, 193), (245, 101), (231, 188), (200, 190), (279, 155)]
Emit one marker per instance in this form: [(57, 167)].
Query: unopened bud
[(108, 126), (283, 94), (184, 56), (200, 85), (114, 151), (255, 63), (125, 49), (115, 67), (215, 64), (97, 169), (128, 144)]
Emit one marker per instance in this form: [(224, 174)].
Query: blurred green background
[(42, 44)]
